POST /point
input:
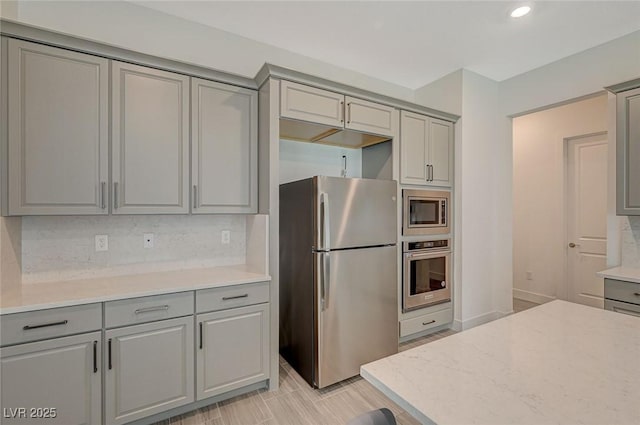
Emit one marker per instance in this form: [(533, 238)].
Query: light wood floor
[(296, 403)]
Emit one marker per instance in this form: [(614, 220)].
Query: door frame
[(562, 290)]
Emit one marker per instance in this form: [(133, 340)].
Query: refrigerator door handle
[(326, 224), (326, 280)]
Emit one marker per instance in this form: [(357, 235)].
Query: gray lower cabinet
[(149, 369), (150, 140), (56, 381), (58, 134), (233, 349), (628, 152), (224, 149)]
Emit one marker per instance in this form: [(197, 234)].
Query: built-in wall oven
[(426, 273), (425, 212)]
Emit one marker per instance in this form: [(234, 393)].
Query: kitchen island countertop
[(558, 363), (628, 274)]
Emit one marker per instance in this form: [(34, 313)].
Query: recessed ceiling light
[(520, 11)]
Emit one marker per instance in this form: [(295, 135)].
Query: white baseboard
[(476, 321), (531, 296), (456, 325)]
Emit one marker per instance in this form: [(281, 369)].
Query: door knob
[(572, 245)]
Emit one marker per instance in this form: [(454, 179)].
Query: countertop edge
[(628, 274), (122, 296)]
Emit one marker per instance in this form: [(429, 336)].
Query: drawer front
[(628, 292), (147, 309), (44, 324), (231, 296), (624, 308), (423, 323)]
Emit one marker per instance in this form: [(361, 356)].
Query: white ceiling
[(414, 43)]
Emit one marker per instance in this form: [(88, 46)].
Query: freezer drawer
[(357, 296)]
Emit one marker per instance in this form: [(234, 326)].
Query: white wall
[(631, 242), (131, 26), (58, 248), (300, 160), (539, 192), (445, 94)]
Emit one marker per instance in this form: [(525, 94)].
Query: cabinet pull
[(235, 297), (45, 325), (150, 309), (195, 196), (637, 294), (95, 356), (428, 323), (200, 329), (348, 112), (426, 168), (115, 195), (103, 199), (341, 111), (109, 354)]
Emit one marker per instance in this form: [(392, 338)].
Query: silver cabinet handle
[(200, 327), (110, 364), (341, 111), (103, 194), (115, 195), (235, 297), (431, 172), (637, 294), (348, 112), (428, 323), (45, 325), (195, 196), (95, 356), (150, 309)]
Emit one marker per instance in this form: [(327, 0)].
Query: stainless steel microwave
[(425, 212)]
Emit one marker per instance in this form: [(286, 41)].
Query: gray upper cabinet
[(148, 369), (305, 103), (57, 131), (426, 150), (224, 148), (150, 140), (628, 152), (62, 373)]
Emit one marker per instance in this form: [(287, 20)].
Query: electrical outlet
[(529, 275), (225, 236), (102, 243), (148, 240)]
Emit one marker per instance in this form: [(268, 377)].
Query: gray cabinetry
[(150, 140), (233, 349), (224, 149), (628, 152), (62, 374), (426, 150), (149, 369), (57, 131)]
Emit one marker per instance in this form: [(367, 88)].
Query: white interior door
[(586, 219)]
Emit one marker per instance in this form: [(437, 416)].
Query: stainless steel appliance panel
[(358, 314), (426, 274), (425, 212), (361, 212)]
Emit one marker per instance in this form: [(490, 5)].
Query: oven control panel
[(441, 244)]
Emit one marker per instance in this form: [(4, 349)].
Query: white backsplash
[(631, 241), (60, 248)]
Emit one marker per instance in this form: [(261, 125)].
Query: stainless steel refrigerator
[(338, 275)]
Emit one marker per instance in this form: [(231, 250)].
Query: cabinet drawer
[(423, 323), (624, 308), (147, 309), (231, 296), (628, 292), (44, 324)]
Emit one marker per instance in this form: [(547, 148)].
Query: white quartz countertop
[(37, 296), (622, 273), (559, 363)]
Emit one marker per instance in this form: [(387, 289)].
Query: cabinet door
[(414, 145), (369, 117), (149, 369), (150, 148), (58, 130), (628, 152), (233, 349), (61, 374), (306, 103), (440, 152), (224, 162)]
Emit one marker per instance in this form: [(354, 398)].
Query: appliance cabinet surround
[(58, 134), (305, 103), (628, 152), (426, 150)]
